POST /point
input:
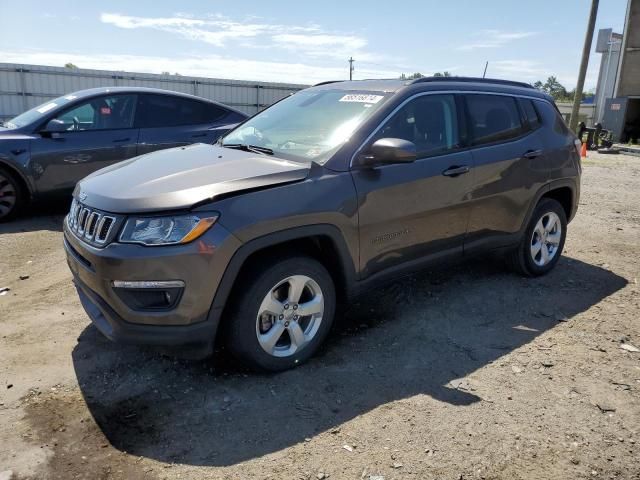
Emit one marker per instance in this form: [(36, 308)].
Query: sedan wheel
[(9, 195)]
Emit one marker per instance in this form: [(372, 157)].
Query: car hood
[(179, 178), (12, 134)]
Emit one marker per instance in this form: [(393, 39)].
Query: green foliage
[(559, 93), (70, 65), (419, 75)]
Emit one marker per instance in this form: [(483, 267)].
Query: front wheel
[(11, 196), (543, 240), (282, 312)]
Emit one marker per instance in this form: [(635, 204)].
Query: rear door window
[(493, 118), (168, 111)]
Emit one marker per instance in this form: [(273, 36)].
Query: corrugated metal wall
[(25, 86)]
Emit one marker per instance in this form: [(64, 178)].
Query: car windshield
[(308, 126), (38, 112)]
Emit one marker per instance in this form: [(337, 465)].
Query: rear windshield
[(37, 113), (310, 125)]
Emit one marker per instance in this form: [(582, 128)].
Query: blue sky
[(307, 42)]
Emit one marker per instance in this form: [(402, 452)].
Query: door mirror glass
[(55, 126), (388, 151)]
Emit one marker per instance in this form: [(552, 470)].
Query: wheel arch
[(24, 182), (563, 191), (323, 242)]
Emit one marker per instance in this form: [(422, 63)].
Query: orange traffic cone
[(583, 151)]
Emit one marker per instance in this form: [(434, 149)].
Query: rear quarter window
[(493, 118), (530, 113)]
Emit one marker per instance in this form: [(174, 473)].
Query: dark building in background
[(622, 112)]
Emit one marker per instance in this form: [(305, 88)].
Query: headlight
[(173, 230)]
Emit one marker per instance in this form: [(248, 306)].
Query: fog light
[(149, 295), (148, 284)]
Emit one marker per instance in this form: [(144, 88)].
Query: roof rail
[(471, 80), (328, 82)]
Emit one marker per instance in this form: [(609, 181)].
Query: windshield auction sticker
[(47, 107), (361, 98)]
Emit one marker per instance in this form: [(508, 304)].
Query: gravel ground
[(464, 373)]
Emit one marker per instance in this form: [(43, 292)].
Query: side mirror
[(389, 151), (55, 126)]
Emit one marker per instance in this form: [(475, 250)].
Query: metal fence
[(25, 86)]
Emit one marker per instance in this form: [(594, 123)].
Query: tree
[(411, 77), (165, 73), (443, 74), (554, 88), (70, 65), (539, 85)]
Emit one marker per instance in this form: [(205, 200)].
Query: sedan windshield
[(37, 113), (310, 125)]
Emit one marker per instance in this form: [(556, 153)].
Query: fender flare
[(546, 188), (241, 255)]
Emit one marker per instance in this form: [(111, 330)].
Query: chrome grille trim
[(89, 225)]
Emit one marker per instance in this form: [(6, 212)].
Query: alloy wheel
[(289, 316), (545, 239)]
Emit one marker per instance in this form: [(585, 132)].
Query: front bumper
[(200, 264)]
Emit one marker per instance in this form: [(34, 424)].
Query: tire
[(527, 259), (265, 332), (12, 196)]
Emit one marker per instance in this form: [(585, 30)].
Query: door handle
[(455, 171), (532, 154), (120, 140)]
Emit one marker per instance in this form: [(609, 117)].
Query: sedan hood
[(181, 177)]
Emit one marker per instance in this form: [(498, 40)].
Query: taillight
[(578, 145)]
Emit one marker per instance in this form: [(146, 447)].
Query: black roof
[(436, 83)]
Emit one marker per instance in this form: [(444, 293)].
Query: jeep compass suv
[(324, 194)]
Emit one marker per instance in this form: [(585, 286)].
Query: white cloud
[(309, 40), (517, 69), (494, 39), (323, 45), (213, 66)]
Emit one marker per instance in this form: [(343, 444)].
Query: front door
[(99, 133), (409, 212)]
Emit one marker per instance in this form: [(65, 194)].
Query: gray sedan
[(47, 149)]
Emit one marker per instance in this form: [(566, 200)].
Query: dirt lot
[(470, 372)]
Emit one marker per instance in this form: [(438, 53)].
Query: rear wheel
[(11, 195), (282, 312), (543, 241)]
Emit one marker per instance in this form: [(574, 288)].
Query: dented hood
[(181, 177)]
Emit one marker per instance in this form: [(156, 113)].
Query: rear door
[(409, 212), (510, 167), (100, 132), (167, 121)]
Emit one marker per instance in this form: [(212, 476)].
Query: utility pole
[(584, 63), (351, 60)]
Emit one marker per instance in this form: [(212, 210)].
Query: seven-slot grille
[(89, 224)]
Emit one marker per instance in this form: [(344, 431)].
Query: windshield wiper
[(249, 148)]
